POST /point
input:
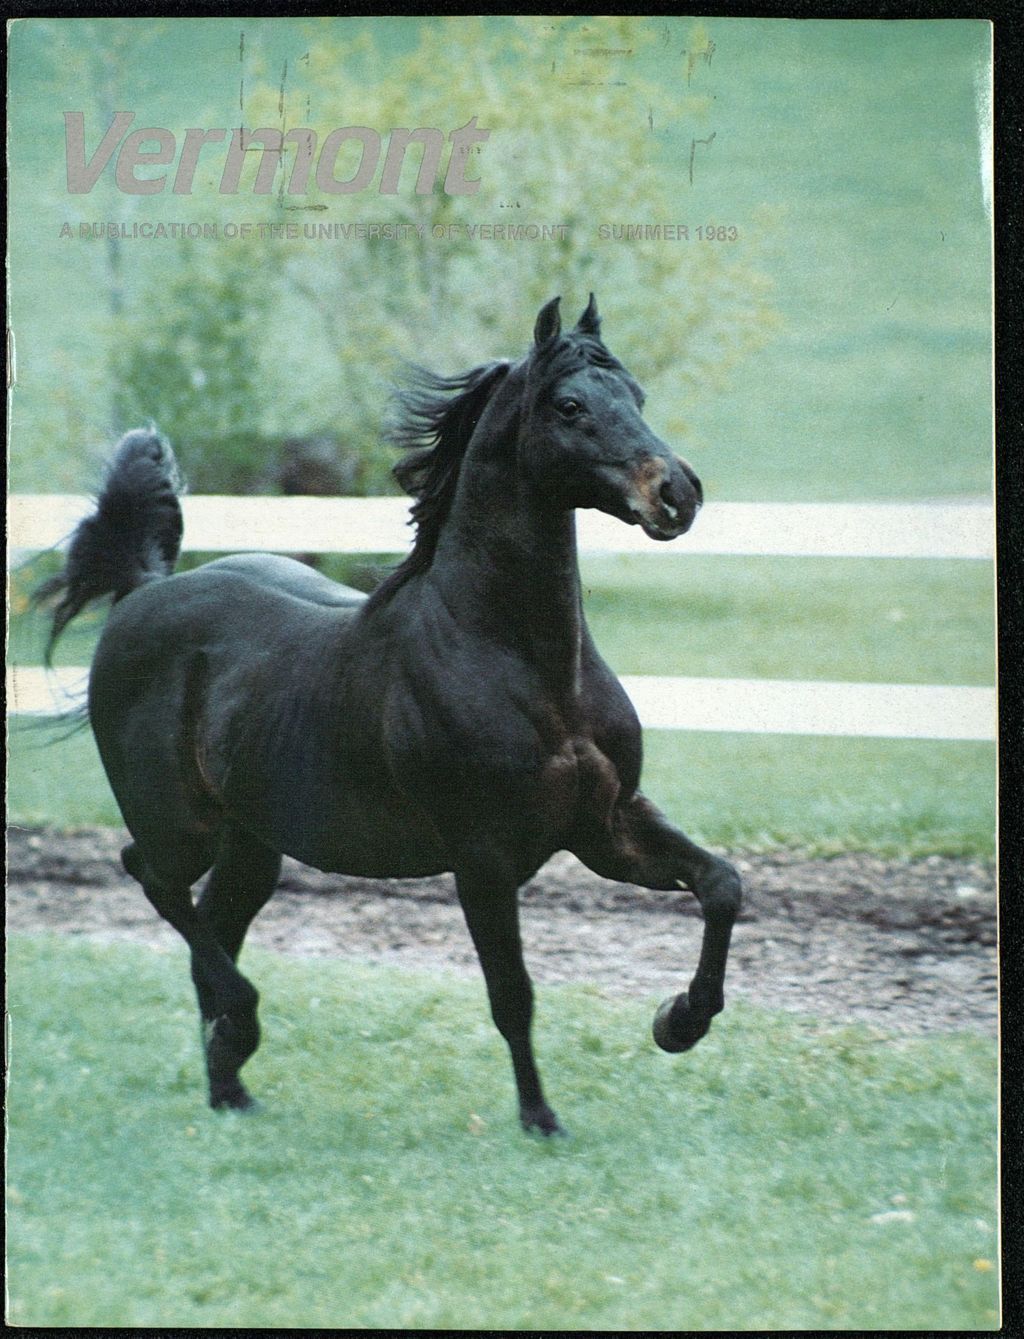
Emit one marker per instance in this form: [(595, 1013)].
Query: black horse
[(459, 719)]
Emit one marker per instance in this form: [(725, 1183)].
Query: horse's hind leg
[(232, 999), (642, 846), (243, 878)]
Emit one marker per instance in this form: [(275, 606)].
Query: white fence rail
[(745, 706), (378, 525)]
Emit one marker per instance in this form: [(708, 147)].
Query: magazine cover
[(523, 488)]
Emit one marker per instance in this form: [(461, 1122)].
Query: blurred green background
[(838, 349)]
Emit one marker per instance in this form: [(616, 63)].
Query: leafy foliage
[(188, 358), (573, 143), (566, 94)]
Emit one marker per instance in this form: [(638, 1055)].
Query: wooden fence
[(769, 706)]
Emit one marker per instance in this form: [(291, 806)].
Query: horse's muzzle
[(665, 497)]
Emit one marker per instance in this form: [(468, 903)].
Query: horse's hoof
[(677, 1027), (233, 1098), (543, 1121)]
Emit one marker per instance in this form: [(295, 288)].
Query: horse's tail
[(133, 536)]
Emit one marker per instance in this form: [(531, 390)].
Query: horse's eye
[(570, 408)]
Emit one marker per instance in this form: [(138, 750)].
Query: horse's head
[(582, 437)]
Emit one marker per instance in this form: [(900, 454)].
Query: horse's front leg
[(640, 845), (489, 897)]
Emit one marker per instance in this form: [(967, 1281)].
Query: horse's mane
[(435, 418)]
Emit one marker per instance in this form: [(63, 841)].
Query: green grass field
[(836, 1178), (864, 620), (881, 620)]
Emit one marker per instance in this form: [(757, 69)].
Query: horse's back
[(250, 601), (273, 572)]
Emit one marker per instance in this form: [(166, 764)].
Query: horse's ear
[(549, 323), (590, 322)]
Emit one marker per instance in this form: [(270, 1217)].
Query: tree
[(251, 342), (188, 357), (578, 137)]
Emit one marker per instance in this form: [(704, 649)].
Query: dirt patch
[(907, 945)]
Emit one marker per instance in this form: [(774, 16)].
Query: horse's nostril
[(676, 492), (675, 496), (668, 502), (694, 483)]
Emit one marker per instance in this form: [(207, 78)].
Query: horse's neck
[(507, 564)]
